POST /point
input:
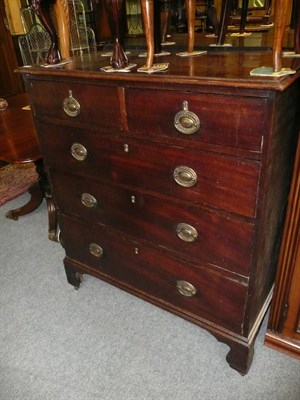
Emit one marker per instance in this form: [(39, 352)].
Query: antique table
[(19, 144)]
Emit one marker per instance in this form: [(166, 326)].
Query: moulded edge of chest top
[(212, 82), (204, 86)]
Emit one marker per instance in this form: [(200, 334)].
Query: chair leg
[(244, 16), (297, 27), (225, 15), (148, 19), (280, 17), (190, 11)]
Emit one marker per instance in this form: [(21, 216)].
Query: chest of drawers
[(174, 186)]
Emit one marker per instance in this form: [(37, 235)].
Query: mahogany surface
[(211, 69), (18, 137), (119, 204)]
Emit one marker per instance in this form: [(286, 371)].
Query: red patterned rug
[(15, 179)]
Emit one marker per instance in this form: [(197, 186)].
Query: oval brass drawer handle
[(186, 232), (185, 176), (186, 288), (71, 106), (96, 250), (88, 200), (186, 121), (78, 151)]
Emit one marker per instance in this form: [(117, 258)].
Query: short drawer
[(222, 182), (96, 105), (193, 233), (151, 273), (238, 122)]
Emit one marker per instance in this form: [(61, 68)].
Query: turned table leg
[(280, 17), (212, 17), (151, 20), (281, 8), (190, 13), (165, 19), (225, 16), (61, 11), (157, 27), (244, 12), (148, 20), (297, 27)]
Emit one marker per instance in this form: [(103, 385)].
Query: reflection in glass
[(256, 4)]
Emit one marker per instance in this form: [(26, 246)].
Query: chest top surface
[(227, 69)]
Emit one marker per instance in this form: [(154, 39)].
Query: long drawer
[(238, 122), (193, 233), (193, 290), (223, 182)]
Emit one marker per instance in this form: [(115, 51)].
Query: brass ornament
[(186, 232), (71, 106), (78, 151), (186, 288), (186, 121), (88, 200), (96, 250), (185, 176)]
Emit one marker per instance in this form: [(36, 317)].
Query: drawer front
[(222, 182), (217, 299), (194, 234), (237, 122), (98, 105)]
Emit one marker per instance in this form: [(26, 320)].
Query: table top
[(18, 138)]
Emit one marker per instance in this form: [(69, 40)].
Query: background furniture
[(283, 333), (19, 144), (10, 83), (35, 44), (82, 35), (158, 196), (134, 17), (251, 12)]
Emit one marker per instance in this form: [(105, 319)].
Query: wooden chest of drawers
[(173, 186)]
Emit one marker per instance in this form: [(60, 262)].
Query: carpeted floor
[(100, 343), (15, 179)]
